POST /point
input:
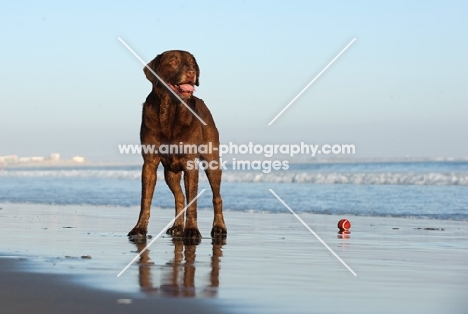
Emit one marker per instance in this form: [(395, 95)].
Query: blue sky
[(69, 85)]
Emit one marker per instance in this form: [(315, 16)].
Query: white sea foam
[(305, 177), (362, 178)]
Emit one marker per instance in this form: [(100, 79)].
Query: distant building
[(51, 159), (10, 159), (78, 159), (54, 157), (31, 159)]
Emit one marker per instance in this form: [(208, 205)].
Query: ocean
[(432, 190)]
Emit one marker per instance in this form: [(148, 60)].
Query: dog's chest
[(170, 122)]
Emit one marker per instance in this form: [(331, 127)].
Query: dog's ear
[(197, 70), (153, 65)]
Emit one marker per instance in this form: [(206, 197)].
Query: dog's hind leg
[(148, 182), (173, 181)]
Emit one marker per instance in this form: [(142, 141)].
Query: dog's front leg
[(191, 189), (173, 181), (148, 182)]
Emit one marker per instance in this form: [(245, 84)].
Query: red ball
[(344, 224)]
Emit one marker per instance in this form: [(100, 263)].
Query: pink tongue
[(186, 88)]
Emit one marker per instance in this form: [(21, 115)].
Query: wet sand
[(25, 292), (66, 259)]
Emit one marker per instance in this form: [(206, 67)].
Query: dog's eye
[(173, 62)]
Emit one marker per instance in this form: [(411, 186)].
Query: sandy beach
[(59, 259)]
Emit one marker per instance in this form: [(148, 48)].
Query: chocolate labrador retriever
[(168, 121)]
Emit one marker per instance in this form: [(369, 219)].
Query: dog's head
[(176, 68)]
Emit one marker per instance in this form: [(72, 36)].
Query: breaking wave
[(304, 177)]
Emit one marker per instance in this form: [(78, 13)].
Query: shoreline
[(269, 263), (426, 217)]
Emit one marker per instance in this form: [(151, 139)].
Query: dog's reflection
[(178, 277)]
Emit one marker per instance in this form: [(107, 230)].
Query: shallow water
[(269, 263)]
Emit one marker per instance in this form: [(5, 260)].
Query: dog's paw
[(175, 231), (192, 233), (137, 233), (218, 232)]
